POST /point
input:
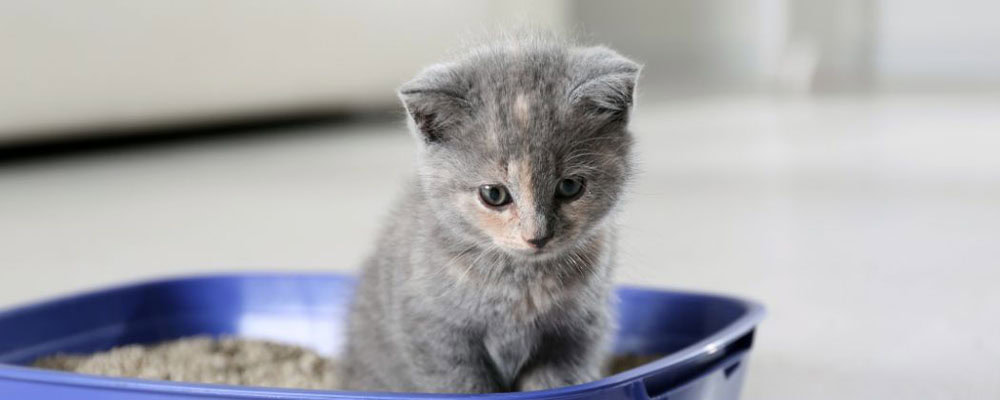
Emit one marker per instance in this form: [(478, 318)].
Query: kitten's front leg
[(447, 359), (554, 375), (565, 363)]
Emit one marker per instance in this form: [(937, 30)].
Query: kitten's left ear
[(435, 101), (604, 82)]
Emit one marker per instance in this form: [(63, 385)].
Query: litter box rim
[(630, 380)]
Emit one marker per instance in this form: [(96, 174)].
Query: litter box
[(705, 339)]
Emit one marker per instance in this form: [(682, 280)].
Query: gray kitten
[(494, 272)]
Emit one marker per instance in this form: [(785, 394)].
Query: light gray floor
[(870, 226)]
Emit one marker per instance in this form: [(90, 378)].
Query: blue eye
[(569, 188), (494, 195)]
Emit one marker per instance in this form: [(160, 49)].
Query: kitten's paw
[(550, 377)]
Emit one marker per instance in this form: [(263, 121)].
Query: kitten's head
[(524, 144)]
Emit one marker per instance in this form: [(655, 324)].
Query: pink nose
[(539, 242)]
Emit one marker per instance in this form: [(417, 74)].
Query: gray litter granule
[(227, 360)]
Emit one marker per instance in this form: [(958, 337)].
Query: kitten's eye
[(569, 188), (494, 195)]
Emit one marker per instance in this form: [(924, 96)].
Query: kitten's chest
[(509, 349), (525, 301), (516, 326)]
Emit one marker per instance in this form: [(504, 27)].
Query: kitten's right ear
[(604, 83), (435, 101)]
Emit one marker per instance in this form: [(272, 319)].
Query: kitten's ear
[(604, 82), (435, 101)]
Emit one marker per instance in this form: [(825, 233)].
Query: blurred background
[(836, 160)]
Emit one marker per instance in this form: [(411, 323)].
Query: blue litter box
[(705, 338)]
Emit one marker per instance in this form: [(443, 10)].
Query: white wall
[(67, 65), (935, 44), (692, 45)]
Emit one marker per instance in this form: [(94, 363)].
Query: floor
[(869, 226)]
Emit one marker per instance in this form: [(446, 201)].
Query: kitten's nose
[(539, 242)]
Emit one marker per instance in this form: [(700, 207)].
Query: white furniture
[(67, 65)]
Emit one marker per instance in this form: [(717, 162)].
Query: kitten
[(494, 273)]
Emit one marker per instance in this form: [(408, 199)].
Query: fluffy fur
[(455, 299)]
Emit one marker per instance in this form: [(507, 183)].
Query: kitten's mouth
[(532, 253), (535, 253)]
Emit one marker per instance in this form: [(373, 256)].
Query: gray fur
[(452, 301)]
